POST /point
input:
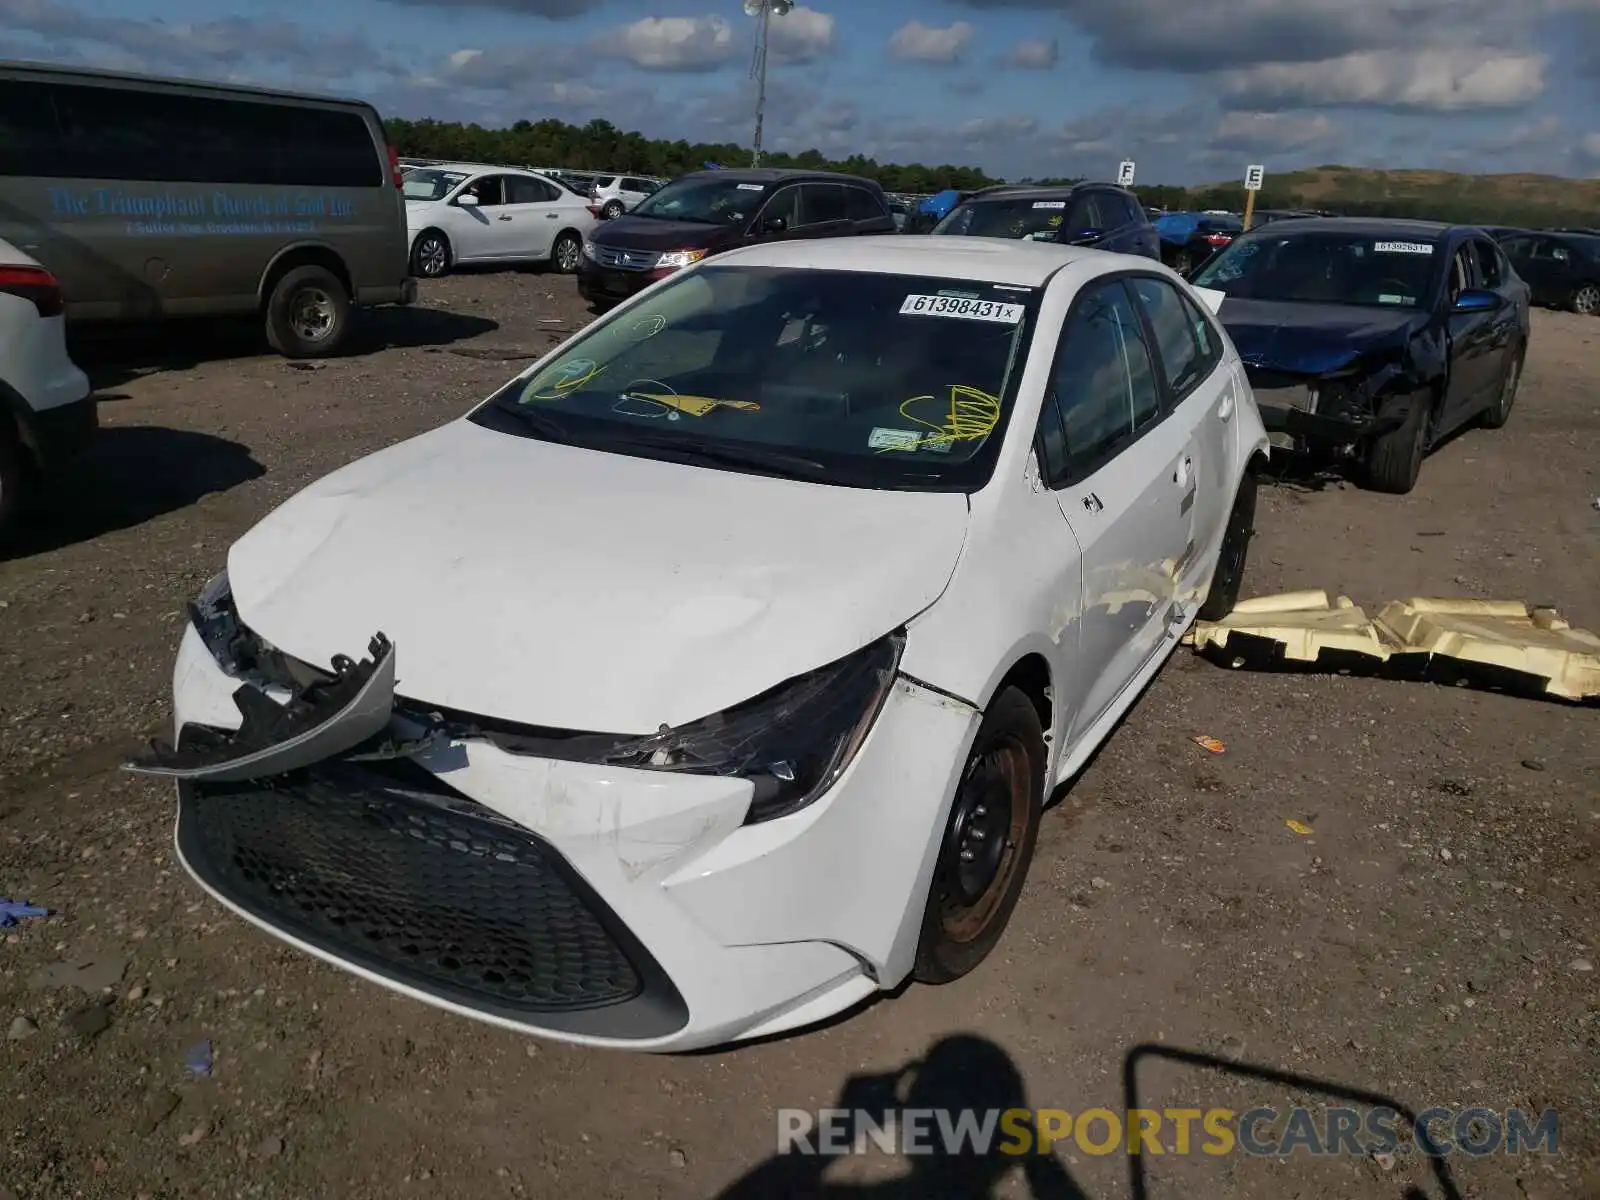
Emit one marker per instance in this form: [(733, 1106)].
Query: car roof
[(465, 168), (986, 260), (14, 67), (779, 175)]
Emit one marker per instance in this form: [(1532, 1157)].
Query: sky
[(1191, 90)]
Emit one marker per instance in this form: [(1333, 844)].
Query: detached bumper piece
[(322, 720), (387, 870), (1496, 645)]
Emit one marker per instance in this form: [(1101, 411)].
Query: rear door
[(535, 214), (1113, 463)]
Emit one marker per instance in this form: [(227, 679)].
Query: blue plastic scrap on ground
[(198, 1060), (12, 911)]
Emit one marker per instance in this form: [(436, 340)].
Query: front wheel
[(1586, 299), (1228, 578), (430, 255), (566, 254), (988, 842), (308, 313), (1394, 459)]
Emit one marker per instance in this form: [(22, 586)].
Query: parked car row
[(1561, 266)]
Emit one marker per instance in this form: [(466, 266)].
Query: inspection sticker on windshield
[(751, 187), (1402, 248), (1049, 203), (883, 438), (967, 310)]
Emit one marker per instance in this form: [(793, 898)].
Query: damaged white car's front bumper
[(592, 903)]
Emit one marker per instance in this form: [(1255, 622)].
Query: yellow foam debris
[(1303, 622)]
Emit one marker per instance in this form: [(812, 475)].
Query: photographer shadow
[(962, 1072)]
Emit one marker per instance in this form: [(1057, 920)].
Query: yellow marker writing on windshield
[(695, 406), (972, 415), (570, 378)]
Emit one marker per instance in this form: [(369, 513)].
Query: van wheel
[(567, 254), (988, 842), (1228, 578), (17, 481), (430, 255), (308, 313)]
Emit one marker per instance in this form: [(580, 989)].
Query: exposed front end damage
[(1341, 408)]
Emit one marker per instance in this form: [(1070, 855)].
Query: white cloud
[(1589, 148), (916, 42), (1279, 132), (801, 35), (1033, 54), (1441, 79), (674, 43), (988, 130)]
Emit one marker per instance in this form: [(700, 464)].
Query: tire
[(1394, 459), (970, 901), (1229, 575), (431, 256), (1586, 299), (1498, 413), (566, 254), (17, 482), (612, 210), (308, 313)]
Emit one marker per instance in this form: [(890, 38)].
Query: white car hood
[(576, 589)]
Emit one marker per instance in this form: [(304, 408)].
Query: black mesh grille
[(413, 881)]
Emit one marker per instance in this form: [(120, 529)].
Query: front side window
[(429, 183), (1286, 265), (837, 376), (1488, 263), (704, 201), (1103, 386), (1189, 348), (489, 190)]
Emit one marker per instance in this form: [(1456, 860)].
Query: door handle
[(1091, 502), (551, 216), (505, 218), (1184, 470), (1225, 409)]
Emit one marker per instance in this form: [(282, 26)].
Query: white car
[(613, 195), (717, 668), (47, 410), (460, 213)]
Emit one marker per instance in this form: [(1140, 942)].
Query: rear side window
[(1086, 214), (522, 190), (1189, 349), (821, 202), (138, 134), (862, 205)]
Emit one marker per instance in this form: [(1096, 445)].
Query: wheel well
[(430, 229), (307, 256), (1031, 676), (568, 231)]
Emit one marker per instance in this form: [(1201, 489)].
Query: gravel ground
[(1431, 940)]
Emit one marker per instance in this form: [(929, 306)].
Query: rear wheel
[(612, 210), (17, 480), (566, 254), (1394, 459), (308, 313), (1229, 576), (988, 842), (1586, 299), (1498, 413)]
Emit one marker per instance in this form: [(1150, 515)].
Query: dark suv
[(1085, 214), (707, 212)]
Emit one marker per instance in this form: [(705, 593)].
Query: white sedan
[(714, 672), (462, 213)]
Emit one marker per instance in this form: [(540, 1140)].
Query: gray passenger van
[(151, 198)]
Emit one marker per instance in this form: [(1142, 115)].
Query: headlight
[(792, 742), (241, 653), (588, 250), (680, 258)]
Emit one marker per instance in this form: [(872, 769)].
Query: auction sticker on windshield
[(1049, 203), (967, 310), (751, 187), (1402, 248)]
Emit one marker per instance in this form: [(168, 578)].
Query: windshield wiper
[(772, 462), (544, 426)]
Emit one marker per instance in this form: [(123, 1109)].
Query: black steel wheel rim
[(987, 824)]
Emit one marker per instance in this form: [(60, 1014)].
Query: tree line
[(600, 145)]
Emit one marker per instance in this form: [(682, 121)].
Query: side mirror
[(774, 225), (1477, 300), (1084, 237), (467, 200)]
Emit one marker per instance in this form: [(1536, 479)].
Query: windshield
[(1391, 270), (705, 201), (1036, 220), (865, 380), (427, 183)]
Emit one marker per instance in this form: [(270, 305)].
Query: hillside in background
[(1539, 201), (1535, 200)]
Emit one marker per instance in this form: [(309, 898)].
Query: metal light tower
[(765, 10)]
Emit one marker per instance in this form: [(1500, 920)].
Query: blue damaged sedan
[(1372, 340)]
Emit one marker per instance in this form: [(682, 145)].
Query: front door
[(1472, 342), (1120, 475)]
